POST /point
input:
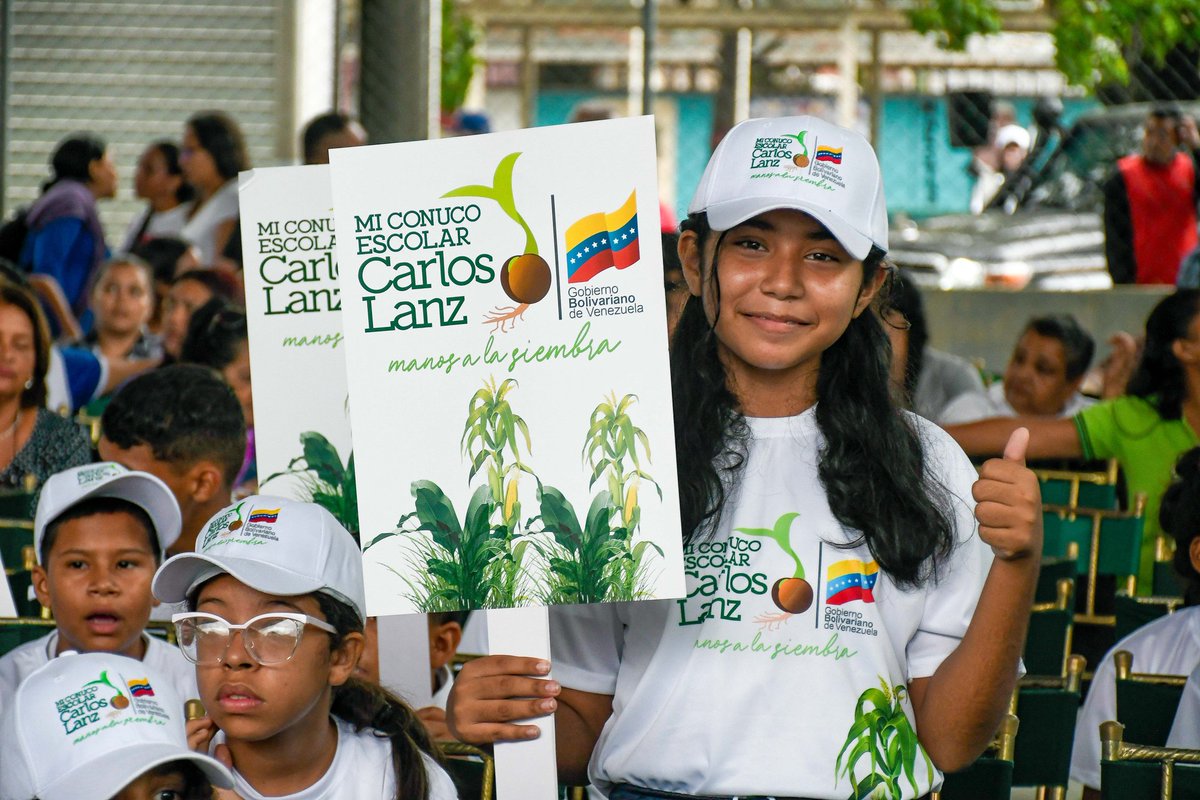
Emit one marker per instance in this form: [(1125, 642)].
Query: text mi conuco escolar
[(418, 252)]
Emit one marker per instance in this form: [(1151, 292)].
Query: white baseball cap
[(272, 544), (67, 489), (87, 725), (1012, 134), (800, 163)]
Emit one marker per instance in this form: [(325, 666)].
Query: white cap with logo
[(67, 489), (88, 725), (272, 544), (800, 163)]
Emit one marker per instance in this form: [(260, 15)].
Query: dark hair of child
[(100, 505), (1179, 516), (872, 465), (215, 331), (162, 254), (183, 413), (1159, 377)]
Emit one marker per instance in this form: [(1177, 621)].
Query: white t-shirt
[(975, 406), (1167, 646), (201, 230), (161, 223), (1185, 732), (163, 658), (362, 769), (726, 693)]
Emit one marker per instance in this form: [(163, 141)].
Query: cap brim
[(143, 490), (723, 216), (180, 574), (121, 767)]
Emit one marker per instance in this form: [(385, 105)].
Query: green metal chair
[(1093, 489), (1048, 642), (473, 770), (990, 777), (1053, 570), (16, 631), (1166, 581), (20, 582), (1146, 703), (1132, 612), (1047, 708), (1144, 772)]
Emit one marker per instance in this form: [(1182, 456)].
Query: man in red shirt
[(1150, 202)]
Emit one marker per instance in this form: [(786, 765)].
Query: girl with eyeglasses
[(276, 608)]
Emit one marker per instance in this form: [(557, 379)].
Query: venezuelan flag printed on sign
[(140, 687), (599, 241), (833, 154), (850, 580)]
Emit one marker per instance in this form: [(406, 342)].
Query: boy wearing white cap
[(100, 531), (276, 608), (95, 726)]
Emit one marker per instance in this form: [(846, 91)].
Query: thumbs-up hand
[(1009, 503)]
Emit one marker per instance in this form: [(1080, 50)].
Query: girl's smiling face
[(785, 290), (253, 702)]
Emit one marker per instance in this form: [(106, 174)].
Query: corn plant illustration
[(324, 480), (525, 277), (794, 594), (882, 736), (801, 157), (119, 701), (477, 563), (597, 560)]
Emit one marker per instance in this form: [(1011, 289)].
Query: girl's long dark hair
[(1179, 515), (872, 465), (367, 705), (1159, 377)]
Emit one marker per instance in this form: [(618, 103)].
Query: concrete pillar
[(401, 69)]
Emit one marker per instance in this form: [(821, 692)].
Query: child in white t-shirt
[(100, 531), (90, 726), (275, 629), (846, 630)]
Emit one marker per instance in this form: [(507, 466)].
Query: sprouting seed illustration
[(801, 158), (237, 523), (793, 595), (881, 734), (119, 701), (525, 277)]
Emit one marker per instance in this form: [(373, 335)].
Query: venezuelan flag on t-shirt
[(140, 687), (264, 515), (850, 580), (599, 241)]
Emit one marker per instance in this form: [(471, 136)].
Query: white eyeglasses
[(269, 638)]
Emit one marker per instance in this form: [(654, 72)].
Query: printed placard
[(502, 300), (297, 356)]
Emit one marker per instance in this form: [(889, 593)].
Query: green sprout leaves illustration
[(118, 701), (525, 277), (883, 737), (793, 595)]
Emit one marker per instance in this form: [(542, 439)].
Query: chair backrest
[(1142, 772), (1053, 570), (1165, 582), (990, 777), (16, 631), (1113, 548), (1048, 642), (1146, 703), (1095, 489), (473, 770), (1047, 710), (1133, 612)]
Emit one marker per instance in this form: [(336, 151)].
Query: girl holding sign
[(857, 593)]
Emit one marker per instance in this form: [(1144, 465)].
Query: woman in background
[(159, 181), (212, 156)]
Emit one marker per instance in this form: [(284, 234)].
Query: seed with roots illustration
[(525, 278), (119, 702), (800, 160), (793, 595), (233, 526)]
